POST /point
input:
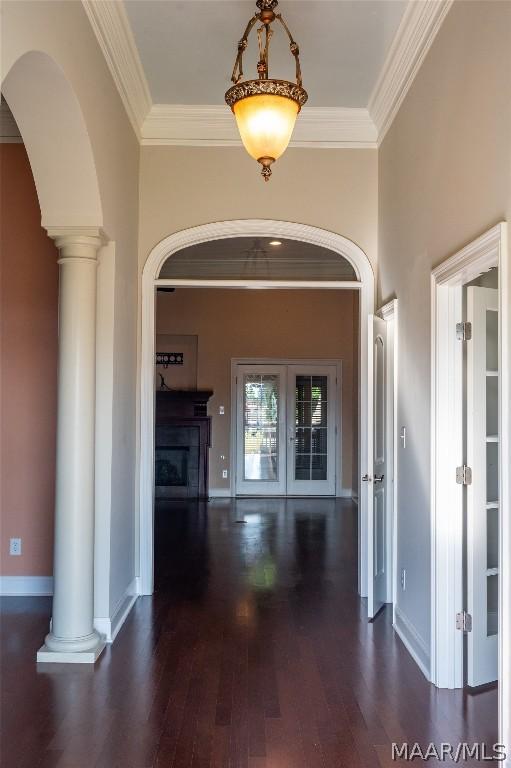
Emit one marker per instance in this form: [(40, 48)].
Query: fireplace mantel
[(182, 402)]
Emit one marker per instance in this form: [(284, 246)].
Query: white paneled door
[(286, 429), (482, 420), (376, 479)]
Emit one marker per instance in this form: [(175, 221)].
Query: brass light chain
[(266, 16)]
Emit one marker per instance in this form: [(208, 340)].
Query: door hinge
[(464, 475), (464, 331), (464, 621)]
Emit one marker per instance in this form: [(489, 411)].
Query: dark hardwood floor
[(254, 652)]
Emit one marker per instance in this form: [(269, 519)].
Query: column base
[(85, 650)]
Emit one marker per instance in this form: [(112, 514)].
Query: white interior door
[(311, 427), (376, 478), (483, 492), (286, 429), (261, 430)]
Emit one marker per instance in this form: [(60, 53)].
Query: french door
[(482, 418), (286, 429)]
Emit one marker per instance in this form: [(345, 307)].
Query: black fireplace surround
[(182, 440)]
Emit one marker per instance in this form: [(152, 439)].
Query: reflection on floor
[(254, 652)]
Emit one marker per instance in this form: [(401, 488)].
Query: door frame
[(365, 284), (447, 279), (235, 361), (389, 313)]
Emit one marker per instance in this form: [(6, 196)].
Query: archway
[(222, 230), (57, 142), (55, 135)]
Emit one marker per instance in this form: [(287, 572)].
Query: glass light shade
[(265, 123)]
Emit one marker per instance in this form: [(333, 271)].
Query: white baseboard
[(109, 627), (225, 493), (413, 642), (220, 493), (31, 586), (26, 586)]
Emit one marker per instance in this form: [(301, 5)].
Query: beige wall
[(28, 371), (62, 31), (275, 324), (444, 176), (182, 187)]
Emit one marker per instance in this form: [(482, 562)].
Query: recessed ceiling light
[(275, 242)]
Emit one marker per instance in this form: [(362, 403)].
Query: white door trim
[(217, 231), (389, 313), (446, 452), (235, 361)]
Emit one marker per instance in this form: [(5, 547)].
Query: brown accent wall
[(270, 324), (28, 338)]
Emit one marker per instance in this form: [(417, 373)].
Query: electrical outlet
[(403, 579), (225, 474), (15, 547)]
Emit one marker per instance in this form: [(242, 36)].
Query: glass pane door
[(482, 417), (261, 430), (260, 427), (311, 429), (311, 446), (286, 429)]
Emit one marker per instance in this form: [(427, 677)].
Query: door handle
[(378, 478), (366, 479)]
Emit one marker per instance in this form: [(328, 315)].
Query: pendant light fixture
[(265, 109)]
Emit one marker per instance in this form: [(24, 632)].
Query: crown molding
[(113, 33), (215, 126), (418, 28)]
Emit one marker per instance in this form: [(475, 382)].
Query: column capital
[(77, 242)]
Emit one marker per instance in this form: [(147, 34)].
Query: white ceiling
[(187, 47)]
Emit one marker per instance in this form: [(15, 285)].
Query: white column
[(72, 637)]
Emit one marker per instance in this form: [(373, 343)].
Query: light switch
[(221, 410), (225, 474), (403, 436)]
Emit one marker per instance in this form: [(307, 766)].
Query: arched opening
[(350, 258), (54, 132), (52, 126), (29, 341)]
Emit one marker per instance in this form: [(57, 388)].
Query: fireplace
[(171, 466), (182, 439)]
